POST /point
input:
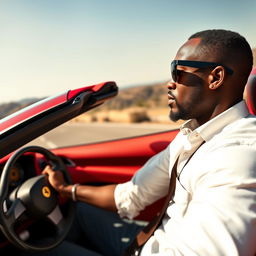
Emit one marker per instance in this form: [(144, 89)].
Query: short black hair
[(225, 43)]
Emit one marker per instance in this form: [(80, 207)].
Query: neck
[(218, 109)]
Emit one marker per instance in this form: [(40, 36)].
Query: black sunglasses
[(195, 64)]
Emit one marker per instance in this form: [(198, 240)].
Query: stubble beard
[(179, 114)]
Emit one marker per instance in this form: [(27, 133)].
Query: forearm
[(100, 196)]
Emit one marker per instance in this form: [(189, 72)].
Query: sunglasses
[(194, 64)]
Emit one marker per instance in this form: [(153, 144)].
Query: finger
[(47, 170)]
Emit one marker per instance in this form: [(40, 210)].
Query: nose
[(171, 85)]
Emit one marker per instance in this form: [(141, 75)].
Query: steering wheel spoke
[(56, 216), (16, 210)]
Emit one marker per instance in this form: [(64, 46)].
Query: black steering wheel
[(34, 201)]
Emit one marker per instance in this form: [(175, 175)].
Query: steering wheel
[(35, 200)]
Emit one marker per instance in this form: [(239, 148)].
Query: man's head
[(210, 71), (225, 47)]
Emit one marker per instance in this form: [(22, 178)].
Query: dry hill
[(134, 104)]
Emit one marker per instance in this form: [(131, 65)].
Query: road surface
[(80, 133)]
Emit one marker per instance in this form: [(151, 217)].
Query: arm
[(148, 184), (100, 196)]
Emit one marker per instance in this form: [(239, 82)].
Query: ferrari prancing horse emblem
[(46, 191)]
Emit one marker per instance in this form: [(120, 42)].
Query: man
[(213, 211)]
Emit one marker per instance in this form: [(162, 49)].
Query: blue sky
[(49, 46)]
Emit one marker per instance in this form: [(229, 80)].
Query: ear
[(216, 77)]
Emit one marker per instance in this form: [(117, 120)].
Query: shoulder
[(241, 132)]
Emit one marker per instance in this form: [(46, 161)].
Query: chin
[(179, 115), (174, 116)]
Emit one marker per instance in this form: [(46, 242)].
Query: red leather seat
[(250, 92)]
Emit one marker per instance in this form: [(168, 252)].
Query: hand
[(55, 178)]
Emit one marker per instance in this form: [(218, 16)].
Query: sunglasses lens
[(174, 71)]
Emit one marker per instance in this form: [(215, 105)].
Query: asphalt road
[(82, 133)]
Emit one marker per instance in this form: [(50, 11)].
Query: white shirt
[(214, 208)]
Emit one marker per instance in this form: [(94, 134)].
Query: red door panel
[(113, 161), (116, 161)]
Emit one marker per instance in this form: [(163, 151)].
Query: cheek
[(190, 97), (190, 89)]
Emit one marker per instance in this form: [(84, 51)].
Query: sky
[(50, 46)]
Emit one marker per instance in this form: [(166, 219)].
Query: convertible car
[(32, 215)]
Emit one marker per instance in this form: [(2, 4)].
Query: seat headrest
[(250, 91)]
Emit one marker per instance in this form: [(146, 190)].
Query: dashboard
[(24, 168), (17, 174)]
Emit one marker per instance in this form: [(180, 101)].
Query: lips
[(171, 98)]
